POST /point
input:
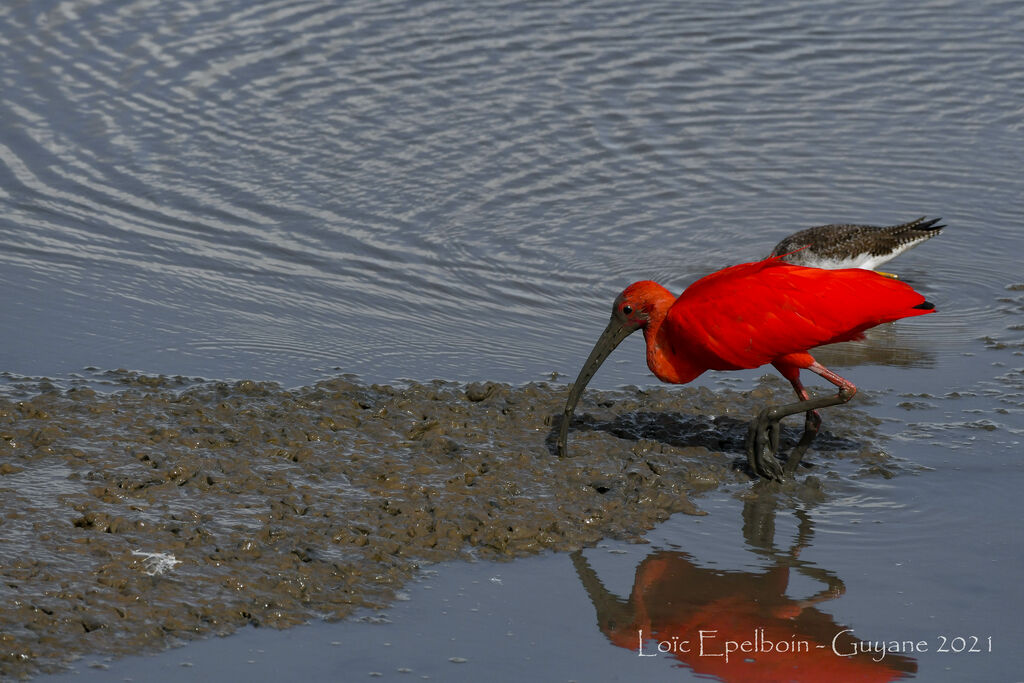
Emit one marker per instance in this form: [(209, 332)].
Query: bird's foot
[(763, 435), (762, 446)]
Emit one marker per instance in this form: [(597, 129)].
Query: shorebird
[(746, 316), (854, 246)]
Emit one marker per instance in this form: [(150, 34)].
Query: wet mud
[(139, 512)]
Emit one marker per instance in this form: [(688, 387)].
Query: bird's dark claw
[(762, 446)]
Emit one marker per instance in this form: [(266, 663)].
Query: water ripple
[(411, 189)]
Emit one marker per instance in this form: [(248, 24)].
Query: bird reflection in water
[(737, 625)]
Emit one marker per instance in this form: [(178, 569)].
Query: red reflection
[(740, 626)]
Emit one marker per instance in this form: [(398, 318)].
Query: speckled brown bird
[(854, 246)]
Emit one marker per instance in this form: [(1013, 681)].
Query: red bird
[(746, 316)]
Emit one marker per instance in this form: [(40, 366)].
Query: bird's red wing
[(748, 315)]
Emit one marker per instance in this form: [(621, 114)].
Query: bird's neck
[(663, 357), (669, 356)]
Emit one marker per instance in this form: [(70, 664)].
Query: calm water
[(288, 190)]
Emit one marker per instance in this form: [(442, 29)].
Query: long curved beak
[(606, 343)]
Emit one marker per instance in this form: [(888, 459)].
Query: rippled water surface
[(292, 190), (276, 189)]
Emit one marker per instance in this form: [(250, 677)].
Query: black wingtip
[(926, 306)]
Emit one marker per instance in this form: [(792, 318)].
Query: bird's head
[(635, 305), (633, 310)]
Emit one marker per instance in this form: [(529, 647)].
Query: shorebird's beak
[(606, 343), (894, 276)]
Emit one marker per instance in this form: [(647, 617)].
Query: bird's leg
[(763, 435), (811, 425)]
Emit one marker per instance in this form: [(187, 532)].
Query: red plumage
[(752, 314)]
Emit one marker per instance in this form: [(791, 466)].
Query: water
[(278, 189), (289, 191)]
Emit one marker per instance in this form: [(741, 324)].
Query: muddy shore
[(154, 510)]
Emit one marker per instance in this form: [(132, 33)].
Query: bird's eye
[(627, 309)]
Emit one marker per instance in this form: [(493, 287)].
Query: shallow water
[(393, 193)]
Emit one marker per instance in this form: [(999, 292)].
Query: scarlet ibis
[(746, 316), (854, 246)]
